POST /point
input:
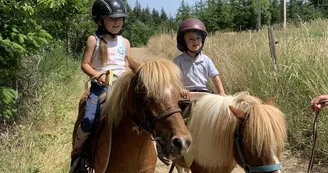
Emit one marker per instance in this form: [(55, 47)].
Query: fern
[(7, 102)]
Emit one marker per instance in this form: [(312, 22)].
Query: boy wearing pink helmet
[(196, 67)]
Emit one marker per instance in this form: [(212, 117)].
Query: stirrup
[(79, 163)]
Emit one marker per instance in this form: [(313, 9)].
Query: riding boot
[(79, 141), (80, 138)]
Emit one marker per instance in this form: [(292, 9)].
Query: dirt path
[(290, 163)]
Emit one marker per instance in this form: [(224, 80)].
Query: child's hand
[(185, 94), (222, 94), (103, 80)]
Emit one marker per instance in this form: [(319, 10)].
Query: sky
[(170, 6)]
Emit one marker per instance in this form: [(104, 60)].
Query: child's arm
[(87, 56), (130, 62), (218, 85), (128, 52)]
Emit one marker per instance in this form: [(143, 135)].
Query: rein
[(247, 167), (111, 77), (315, 129)]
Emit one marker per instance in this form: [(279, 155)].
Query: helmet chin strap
[(197, 52)]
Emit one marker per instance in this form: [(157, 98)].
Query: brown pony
[(141, 111), (234, 129)]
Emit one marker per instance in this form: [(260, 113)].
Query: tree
[(274, 9), (184, 12), (139, 34), (137, 10), (156, 17), (20, 36), (164, 17)]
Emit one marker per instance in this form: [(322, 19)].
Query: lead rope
[(315, 130)]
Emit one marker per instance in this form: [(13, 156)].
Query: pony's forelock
[(158, 76)]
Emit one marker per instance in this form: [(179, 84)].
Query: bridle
[(247, 167), (150, 121), (148, 126)]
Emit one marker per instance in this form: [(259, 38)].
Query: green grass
[(41, 140)]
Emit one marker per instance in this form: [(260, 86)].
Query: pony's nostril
[(177, 143), (188, 142)]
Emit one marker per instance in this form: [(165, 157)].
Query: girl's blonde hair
[(103, 52)]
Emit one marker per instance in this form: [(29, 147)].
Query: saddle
[(186, 104), (96, 150)]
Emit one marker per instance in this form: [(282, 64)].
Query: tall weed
[(41, 140)]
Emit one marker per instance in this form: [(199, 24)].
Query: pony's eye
[(151, 99)]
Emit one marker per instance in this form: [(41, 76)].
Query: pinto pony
[(141, 109), (238, 129)]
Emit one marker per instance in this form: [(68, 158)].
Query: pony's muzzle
[(181, 144)]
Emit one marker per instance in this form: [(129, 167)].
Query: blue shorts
[(92, 108)]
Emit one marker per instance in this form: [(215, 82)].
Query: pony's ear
[(133, 64), (270, 101), (238, 113)]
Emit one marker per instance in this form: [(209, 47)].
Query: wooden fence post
[(272, 45)]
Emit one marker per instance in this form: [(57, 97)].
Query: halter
[(247, 167)]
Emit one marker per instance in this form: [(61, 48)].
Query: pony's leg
[(181, 165), (182, 170), (196, 168), (179, 169)]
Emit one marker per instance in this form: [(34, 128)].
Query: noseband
[(247, 167)]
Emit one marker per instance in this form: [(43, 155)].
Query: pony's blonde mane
[(212, 127), (156, 76)]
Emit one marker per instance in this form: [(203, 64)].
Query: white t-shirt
[(196, 72), (116, 51)]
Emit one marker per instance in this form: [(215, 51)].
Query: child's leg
[(85, 128)]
